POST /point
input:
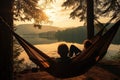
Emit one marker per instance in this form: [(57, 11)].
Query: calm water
[(49, 46), (51, 50)]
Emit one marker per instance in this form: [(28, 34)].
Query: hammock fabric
[(79, 64)]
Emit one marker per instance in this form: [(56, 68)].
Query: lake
[(51, 50)]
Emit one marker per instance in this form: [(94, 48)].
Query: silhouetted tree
[(102, 8), (90, 19), (6, 50), (14, 10), (29, 9)]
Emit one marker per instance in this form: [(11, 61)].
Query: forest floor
[(104, 70)]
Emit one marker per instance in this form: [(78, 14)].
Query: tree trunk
[(90, 19), (6, 46)]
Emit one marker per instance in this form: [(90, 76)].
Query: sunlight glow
[(50, 13), (59, 16)]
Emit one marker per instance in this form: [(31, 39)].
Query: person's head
[(63, 50), (87, 43)]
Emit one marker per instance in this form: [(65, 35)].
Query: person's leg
[(74, 49)]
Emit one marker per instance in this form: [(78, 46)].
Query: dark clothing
[(63, 52), (74, 50), (63, 60)]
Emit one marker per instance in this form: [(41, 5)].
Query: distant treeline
[(79, 34)]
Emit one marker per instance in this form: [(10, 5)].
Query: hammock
[(79, 64)]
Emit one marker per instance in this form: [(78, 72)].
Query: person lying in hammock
[(76, 51), (63, 51), (87, 43)]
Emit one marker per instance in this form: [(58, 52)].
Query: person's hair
[(63, 50), (87, 43)]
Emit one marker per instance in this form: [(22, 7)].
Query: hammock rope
[(79, 64)]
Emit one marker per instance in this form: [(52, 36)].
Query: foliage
[(117, 56), (29, 9), (78, 35), (102, 8), (18, 63)]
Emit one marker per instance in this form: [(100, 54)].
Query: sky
[(60, 16)]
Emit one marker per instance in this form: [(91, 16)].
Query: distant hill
[(79, 34), (30, 29)]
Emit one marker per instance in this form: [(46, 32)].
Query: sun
[(57, 14), (50, 13)]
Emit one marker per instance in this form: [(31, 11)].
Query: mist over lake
[(48, 45), (51, 50), (51, 34)]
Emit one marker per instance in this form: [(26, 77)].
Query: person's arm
[(74, 50)]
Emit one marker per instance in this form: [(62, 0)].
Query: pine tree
[(14, 10), (91, 11)]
